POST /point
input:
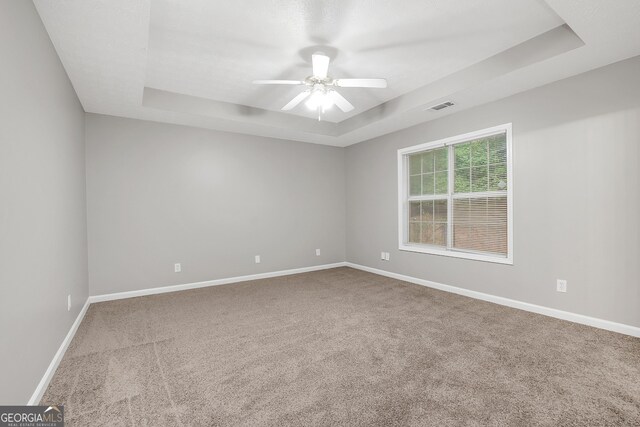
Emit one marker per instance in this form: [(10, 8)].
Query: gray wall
[(576, 146), (43, 240), (160, 194)]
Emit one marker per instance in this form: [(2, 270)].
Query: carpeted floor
[(340, 347)]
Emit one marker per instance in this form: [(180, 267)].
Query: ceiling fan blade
[(320, 63), (297, 100), (278, 82), (377, 83), (340, 101)]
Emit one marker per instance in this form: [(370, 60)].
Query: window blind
[(480, 224)]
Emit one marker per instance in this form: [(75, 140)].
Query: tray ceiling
[(192, 62)]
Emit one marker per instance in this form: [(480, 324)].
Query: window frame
[(403, 197)]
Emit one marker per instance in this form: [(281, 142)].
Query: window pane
[(427, 183), (427, 162), (498, 148), (462, 155), (426, 233), (462, 181), (427, 211), (415, 185), (479, 153), (440, 210), (479, 181), (414, 211), (441, 159), (480, 224), (498, 177), (440, 234), (414, 232), (415, 161), (442, 182)]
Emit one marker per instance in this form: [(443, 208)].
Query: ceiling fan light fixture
[(327, 103), (319, 99), (314, 101)]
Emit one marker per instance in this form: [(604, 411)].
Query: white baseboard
[(175, 288), (44, 382), (547, 311)]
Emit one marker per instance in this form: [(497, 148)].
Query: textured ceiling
[(192, 62), (215, 49)]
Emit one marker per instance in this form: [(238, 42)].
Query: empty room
[(319, 213)]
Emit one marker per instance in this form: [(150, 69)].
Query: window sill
[(455, 254)]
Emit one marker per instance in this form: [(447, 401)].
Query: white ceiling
[(192, 62), (214, 50)]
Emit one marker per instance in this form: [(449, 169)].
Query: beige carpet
[(340, 347)]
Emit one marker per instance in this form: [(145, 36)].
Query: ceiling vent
[(441, 106)]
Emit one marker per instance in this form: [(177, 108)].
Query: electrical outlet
[(386, 256), (257, 259), (177, 267), (561, 285), (317, 252), (382, 257), (69, 302)]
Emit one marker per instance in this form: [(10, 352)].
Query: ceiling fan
[(321, 94)]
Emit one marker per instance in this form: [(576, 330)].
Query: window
[(455, 196)]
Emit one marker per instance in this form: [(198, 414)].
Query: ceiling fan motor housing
[(313, 81)]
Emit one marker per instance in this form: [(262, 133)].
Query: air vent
[(441, 106)]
